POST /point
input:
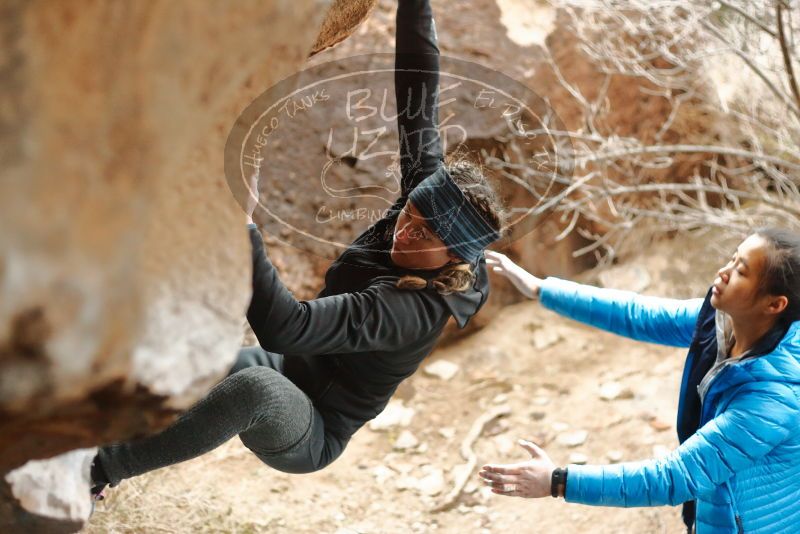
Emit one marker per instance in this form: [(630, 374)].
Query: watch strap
[(558, 482)]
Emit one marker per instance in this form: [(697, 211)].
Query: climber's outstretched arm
[(417, 91), (380, 317)]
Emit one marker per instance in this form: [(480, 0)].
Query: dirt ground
[(547, 370)]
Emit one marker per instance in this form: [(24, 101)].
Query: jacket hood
[(780, 365), (463, 304)]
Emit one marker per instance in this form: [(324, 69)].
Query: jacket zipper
[(736, 516)]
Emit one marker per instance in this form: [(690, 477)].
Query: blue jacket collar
[(780, 364)]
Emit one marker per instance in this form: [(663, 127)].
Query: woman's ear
[(777, 305)]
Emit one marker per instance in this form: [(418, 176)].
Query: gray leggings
[(272, 417)]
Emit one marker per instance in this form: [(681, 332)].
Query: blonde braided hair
[(478, 192)]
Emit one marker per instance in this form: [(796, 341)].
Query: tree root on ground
[(469, 455)]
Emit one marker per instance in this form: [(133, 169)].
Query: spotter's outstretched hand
[(525, 282), (529, 479)]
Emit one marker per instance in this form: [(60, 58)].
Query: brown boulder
[(124, 262)]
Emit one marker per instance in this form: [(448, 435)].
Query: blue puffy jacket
[(743, 464)]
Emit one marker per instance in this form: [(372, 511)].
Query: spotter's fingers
[(496, 478), (505, 469)]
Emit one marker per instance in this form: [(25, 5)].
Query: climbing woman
[(737, 466), (326, 366)]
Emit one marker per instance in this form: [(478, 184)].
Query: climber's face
[(415, 246)]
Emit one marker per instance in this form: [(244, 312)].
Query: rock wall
[(124, 263)]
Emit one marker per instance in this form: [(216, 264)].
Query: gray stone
[(544, 338), (614, 391), (406, 440), (578, 458), (395, 414), (432, 483), (572, 439), (442, 369)]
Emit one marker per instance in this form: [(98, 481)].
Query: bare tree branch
[(787, 55), (746, 15), (793, 106), (716, 155), (662, 149)]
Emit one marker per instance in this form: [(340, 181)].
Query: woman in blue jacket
[(737, 468)]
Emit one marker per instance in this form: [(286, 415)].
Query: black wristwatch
[(558, 482)]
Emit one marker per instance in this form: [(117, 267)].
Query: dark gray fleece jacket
[(350, 347)]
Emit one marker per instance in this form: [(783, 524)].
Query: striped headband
[(451, 216)]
